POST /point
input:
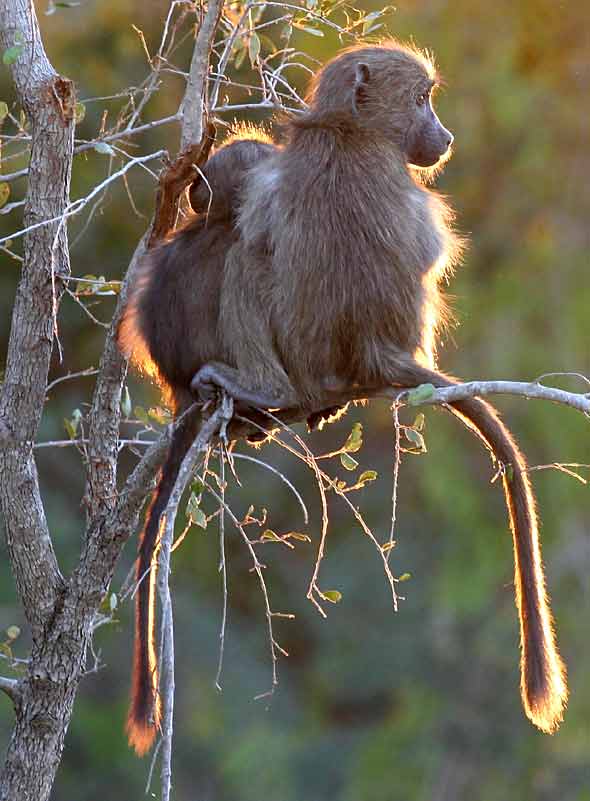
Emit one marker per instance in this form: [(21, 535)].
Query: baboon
[(327, 279)]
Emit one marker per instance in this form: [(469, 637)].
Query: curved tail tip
[(546, 709), (140, 735)]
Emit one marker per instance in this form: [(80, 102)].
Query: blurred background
[(422, 705)]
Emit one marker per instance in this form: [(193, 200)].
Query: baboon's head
[(385, 91)]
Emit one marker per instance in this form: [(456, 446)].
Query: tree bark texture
[(44, 697)]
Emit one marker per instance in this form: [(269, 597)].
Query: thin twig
[(222, 569), (283, 478), (397, 456), (80, 203)]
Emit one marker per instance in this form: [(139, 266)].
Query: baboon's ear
[(362, 74)]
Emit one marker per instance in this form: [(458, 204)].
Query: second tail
[(143, 720)]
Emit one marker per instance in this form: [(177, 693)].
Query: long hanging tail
[(143, 719), (543, 683)]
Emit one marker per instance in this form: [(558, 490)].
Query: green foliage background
[(421, 705)]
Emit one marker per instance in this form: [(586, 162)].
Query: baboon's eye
[(423, 98)]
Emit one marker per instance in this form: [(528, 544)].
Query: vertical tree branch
[(46, 693), (194, 106), (48, 100)]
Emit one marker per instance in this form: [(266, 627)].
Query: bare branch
[(77, 205), (105, 414), (194, 103), (481, 389), (199, 446)]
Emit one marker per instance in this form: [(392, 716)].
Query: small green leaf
[(104, 148), (83, 287), (3, 110), (254, 48), (509, 472), (4, 193), (108, 288), (55, 4), (367, 475), (405, 577), (355, 439), (332, 595), (418, 423), (195, 513), (126, 406), (79, 112), (197, 486), (307, 28), (72, 424), (417, 440), (71, 431), (13, 632), (12, 54), (420, 394), (270, 536), (348, 462), (297, 536)]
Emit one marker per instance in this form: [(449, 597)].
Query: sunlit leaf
[(420, 394), (416, 438), (419, 421), (13, 632), (79, 112), (86, 285), (73, 423), (367, 475), (355, 439), (3, 110), (307, 28), (254, 48), (126, 406), (195, 513), (297, 536), (332, 595), (270, 536), (4, 193), (405, 577), (348, 462)]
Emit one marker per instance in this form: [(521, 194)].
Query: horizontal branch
[(472, 389)]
